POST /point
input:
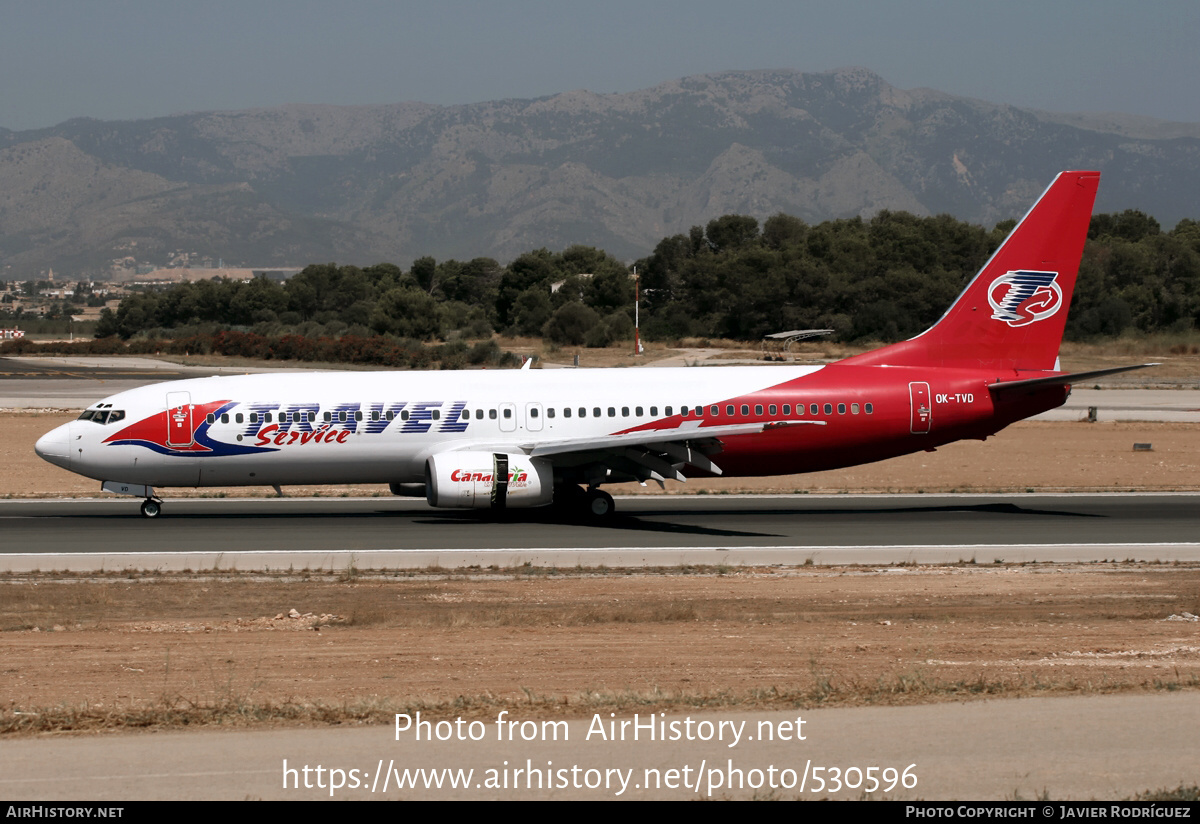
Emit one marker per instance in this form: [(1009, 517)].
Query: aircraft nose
[(55, 446)]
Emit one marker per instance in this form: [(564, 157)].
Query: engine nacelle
[(487, 480)]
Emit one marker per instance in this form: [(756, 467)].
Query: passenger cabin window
[(566, 411), (758, 409), (507, 414), (841, 409), (729, 410), (533, 412), (828, 409), (868, 408), (491, 414), (550, 412)]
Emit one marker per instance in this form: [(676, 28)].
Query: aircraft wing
[(652, 454)]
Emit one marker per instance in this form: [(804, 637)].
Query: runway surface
[(1175, 405), (77, 382), (647, 531)]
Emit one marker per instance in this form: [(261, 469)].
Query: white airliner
[(524, 438)]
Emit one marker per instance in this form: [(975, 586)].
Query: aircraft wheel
[(151, 508), (600, 504), (568, 496)]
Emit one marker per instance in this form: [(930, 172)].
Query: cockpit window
[(103, 415)]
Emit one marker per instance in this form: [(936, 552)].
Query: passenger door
[(179, 419), (508, 417), (922, 409)]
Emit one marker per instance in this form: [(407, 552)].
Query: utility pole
[(637, 295)]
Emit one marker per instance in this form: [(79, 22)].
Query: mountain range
[(362, 184)]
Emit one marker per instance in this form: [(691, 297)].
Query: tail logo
[(1024, 297)]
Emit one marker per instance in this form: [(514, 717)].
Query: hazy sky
[(121, 59)]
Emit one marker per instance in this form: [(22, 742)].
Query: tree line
[(882, 279)]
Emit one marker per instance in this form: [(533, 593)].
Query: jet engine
[(487, 480)]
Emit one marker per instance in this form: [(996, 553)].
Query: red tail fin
[(1011, 315)]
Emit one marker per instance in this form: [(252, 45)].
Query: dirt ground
[(91, 653)]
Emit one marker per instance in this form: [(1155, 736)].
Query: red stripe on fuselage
[(154, 428), (961, 407)]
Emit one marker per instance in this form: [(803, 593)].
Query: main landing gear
[(594, 504), (600, 504), (151, 508)]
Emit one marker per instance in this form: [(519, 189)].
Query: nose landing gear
[(151, 507)]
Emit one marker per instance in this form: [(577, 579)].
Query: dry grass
[(530, 596), (178, 711)]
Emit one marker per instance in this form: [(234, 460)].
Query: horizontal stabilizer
[(1071, 377)]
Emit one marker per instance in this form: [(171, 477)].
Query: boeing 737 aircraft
[(510, 439)]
